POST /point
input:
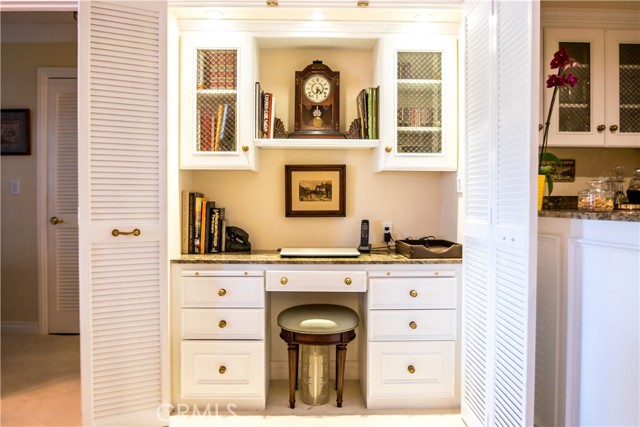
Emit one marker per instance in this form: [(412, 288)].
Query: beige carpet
[(41, 387)]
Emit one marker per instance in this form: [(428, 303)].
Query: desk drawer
[(412, 293), (223, 323), (398, 325), (412, 369), (212, 369), (316, 281), (223, 292)]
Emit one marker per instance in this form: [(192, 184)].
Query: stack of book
[(265, 113), (203, 224), (216, 127), (368, 106), (217, 69)]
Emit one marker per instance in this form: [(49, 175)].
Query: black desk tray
[(429, 248)]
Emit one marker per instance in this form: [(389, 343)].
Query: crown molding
[(590, 18), (39, 5), (39, 33)]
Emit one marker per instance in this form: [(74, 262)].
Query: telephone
[(364, 247)]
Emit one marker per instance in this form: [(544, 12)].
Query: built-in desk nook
[(225, 341)]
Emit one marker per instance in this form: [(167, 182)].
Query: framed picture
[(315, 190), (566, 172), (15, 132)]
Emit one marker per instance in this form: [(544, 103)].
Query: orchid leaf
[(548, 157)]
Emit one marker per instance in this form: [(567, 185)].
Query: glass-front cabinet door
[(417, 107), (215, 110), (603, 110)]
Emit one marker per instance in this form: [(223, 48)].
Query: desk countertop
[(272, 257)]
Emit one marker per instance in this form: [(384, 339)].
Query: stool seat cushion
[(318, 319)]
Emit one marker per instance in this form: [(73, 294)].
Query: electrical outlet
[(387, 227)]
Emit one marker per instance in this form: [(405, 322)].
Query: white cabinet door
[(121, 186), (418, 104), (216, 101)]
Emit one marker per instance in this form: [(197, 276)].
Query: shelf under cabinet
[(317, 144)]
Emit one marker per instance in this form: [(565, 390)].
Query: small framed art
[(315, 190), (15, 132)]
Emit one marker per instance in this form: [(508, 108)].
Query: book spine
[(223, 126), (258, 110), (215, 230), (365, 118), (185, 223), (197, 225), (208, 208), (216, 145), (272, 115), (192, 201), (370, 113), (265, 114), (205, 129), (376, 108), (203, 222)]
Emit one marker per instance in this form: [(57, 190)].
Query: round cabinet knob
[(413, 293), (613, 128), (222, 324), (413, 325), (347, 281), (197, 273), (411, 369), (222, 369), (601, 128), (437, 273), (245, 148), (284, 281), (540, 126), (388, 149), (222, 292)]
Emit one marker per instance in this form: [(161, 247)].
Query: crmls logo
[(184, 409)]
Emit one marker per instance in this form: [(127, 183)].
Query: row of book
[(217, 69), (418, 116), (368, 110), (217, 127), (203, 224), (265, 112)]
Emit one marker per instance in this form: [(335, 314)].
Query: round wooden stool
[(317, 324)]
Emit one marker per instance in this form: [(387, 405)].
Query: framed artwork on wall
[(15, 132), (315, 190)]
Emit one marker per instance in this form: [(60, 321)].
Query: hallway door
[(62, 206)]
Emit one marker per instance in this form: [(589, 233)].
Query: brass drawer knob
[(283, 281), (413, 293), (601, 128), (222, 324), (245, 148), (411, 369), (347, 281), (222, 292), (388, 149), (222, 369), (613, 128), (413, 325)]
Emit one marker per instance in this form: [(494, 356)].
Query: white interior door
[(62, 206), (122, 212)]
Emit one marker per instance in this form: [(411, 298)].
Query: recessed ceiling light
[(317, 16), (214, 14)]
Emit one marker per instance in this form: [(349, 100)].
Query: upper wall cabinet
[(216, 88), (603, 110), (418, 104)]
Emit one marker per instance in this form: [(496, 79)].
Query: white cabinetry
[(412, 351), (219, 337), (216, 108), (603, 110), (418, 107)]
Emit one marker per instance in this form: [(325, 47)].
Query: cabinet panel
[(400, 325), (412, 293), (221, 323)]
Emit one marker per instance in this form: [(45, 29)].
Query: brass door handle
[(413, 325), (222, 324), (55, 220), (411, 369), (413, 293), (600, 128), (115, 232), (613, 128), (222, 369), (347, 281), (222, 292)]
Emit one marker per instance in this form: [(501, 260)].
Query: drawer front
[(211, 369), (223, 323), (412, 369), (223, 292), (316, 281), (412, 293), (399, 325)]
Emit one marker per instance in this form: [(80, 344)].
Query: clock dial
[(317, 88)]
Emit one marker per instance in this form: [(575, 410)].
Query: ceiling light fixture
[(317, 16)]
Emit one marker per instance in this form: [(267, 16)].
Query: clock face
[(317, 88)]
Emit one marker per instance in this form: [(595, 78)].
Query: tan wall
[(19, 240)]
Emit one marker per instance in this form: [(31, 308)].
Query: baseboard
[(280, 370), (11, 327)]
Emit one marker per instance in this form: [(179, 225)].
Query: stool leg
[(293, 373), (341, 357)]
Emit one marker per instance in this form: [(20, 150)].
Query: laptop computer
[(320, 252)]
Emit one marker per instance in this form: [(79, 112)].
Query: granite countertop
[(566, 207), (272, 257)]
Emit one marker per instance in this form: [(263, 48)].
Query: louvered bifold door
[(478, 167), (122, 169)]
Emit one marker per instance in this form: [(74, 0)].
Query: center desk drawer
[(412, 293), (222, 292), (223, 323), (316, 281)]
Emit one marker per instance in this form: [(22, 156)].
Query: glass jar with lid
[(633, 192), (598, 197)]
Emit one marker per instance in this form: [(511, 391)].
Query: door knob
[(601, 128), (613, 128), (55, 220)]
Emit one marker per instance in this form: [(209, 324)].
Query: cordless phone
[(364, 237)]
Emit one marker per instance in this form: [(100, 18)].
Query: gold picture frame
[(15, 130), (315, 190)]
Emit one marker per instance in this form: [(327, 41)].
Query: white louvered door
[(501, 40), (122, 170), (62, 206)]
